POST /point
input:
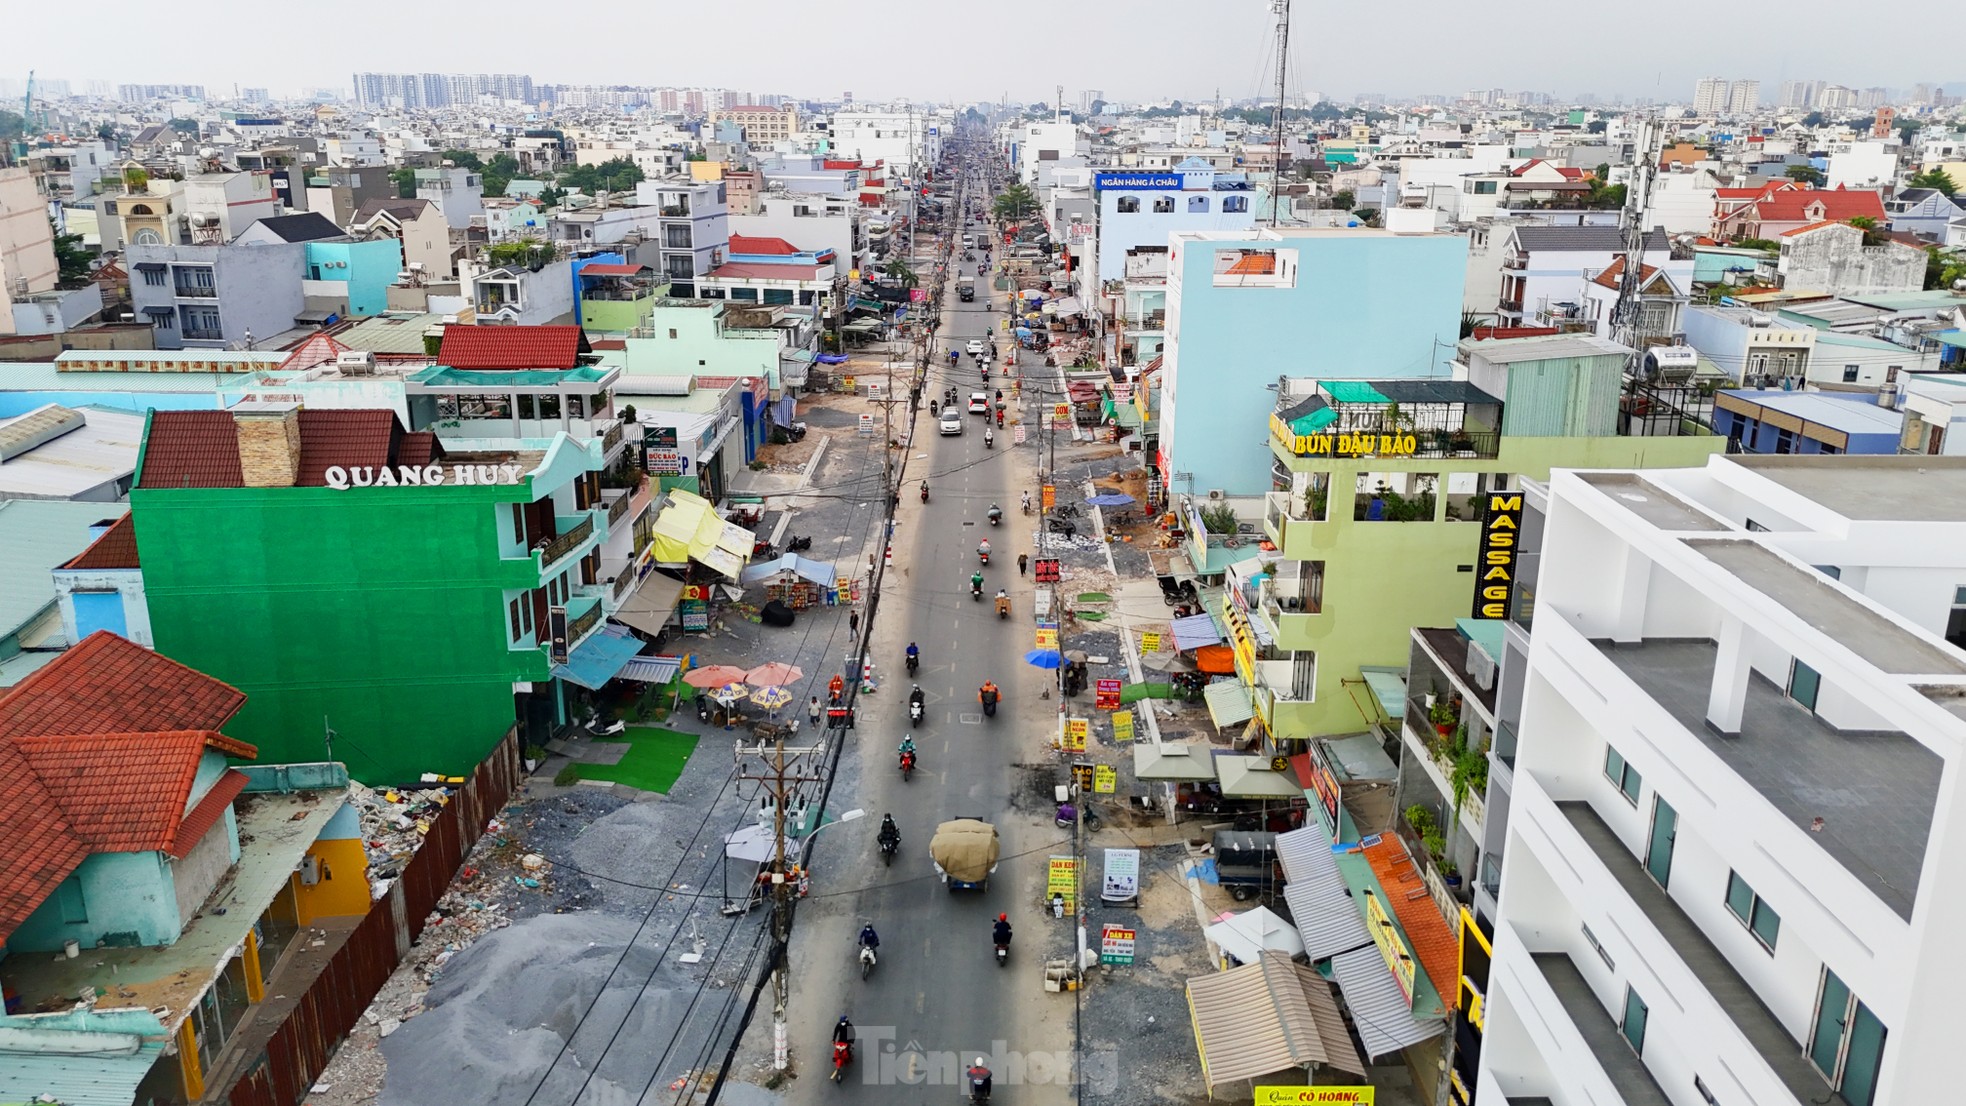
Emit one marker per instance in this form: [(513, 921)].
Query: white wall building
[(1142, 208), (810, 222), (1038, 143), (902, 139), (1731, 827), (1861, 164), (1682, 203)]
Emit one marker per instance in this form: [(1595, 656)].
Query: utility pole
[(1282, 10), (776, 785)]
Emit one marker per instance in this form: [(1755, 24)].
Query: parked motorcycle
[(602, 726), (798, 544)]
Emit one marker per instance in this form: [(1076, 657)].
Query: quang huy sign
[(341, 478)]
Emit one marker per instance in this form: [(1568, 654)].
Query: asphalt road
[(937, 1000)]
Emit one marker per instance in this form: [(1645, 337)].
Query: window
[(518, 524), (1164, 206), (672, 333), (1761, 920), (1622, 776), (1235, 205), (1633, 1024), (1847, 1042), (1849, 374), (518, 621), (1485, 187), (1129, 205), (153, 278), (1834, 572), (1804, 684), (1599, 949), (1197, 205), (1784, 441)]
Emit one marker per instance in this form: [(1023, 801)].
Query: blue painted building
[(1246, 309), (1777, 421), (366, 268)]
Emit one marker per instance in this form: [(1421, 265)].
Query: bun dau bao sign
[(420, 476), (1501, 534), (1344, 443)]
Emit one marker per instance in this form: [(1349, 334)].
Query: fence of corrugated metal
[(299, 1049)]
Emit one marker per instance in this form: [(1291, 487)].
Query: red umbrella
[(715, 675), (774, 674)]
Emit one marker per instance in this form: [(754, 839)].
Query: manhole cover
[(970, 719)]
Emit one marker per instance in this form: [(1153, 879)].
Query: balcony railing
[(566, 543), (578, 628), (674, 211), (612, 438), (622, 583), (192, 290), (202, 334)]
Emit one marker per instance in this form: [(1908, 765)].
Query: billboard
[(1103, 181), (1501, 534)]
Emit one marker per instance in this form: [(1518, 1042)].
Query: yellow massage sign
[(1501, 538)]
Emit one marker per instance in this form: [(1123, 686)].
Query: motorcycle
[(907, 774), (867, 957), (1000, 418), (990, 704), (983, 555), (602, 726), (798, 544), (933, 409), (975, 592), (924, 492), (1003, 953), (989, 442), (979, 1090), (914, 662), (842, 1056), (702, 708), (1003, 607), (914, 712), (1063, 526), (1068, 815), (996, 516)]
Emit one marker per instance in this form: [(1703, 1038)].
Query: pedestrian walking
[(1023, 559), (853, 621), (812, 710)]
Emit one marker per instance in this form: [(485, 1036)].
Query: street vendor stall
[(795, 581)]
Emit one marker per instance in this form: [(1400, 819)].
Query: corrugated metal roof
[(1505, 351), (56, 452), (1320, 902), (105, 1078), (1379, 1008), (1267, 1017), (36, 536), (1228, 703)]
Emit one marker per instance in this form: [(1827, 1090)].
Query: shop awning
[(1069, 306), (1228, 703), (157, 312), (1215, 660), (1195, 631), (1327, 918), (1252, 778), (1379, 1008), (1388, 687), (1246, 936), (1173, 762), (651, 670), (1267, 1017), (151, 266), (598, 659), (649, 606), (819, 572), (690, 529)]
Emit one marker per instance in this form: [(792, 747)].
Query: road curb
[(812, 464)]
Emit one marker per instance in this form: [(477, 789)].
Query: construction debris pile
[(394, 821)]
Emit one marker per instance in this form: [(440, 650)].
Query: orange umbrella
[(714, 675), (774, 674)]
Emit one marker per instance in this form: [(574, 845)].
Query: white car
[(976, 347), (952, 422), (979, 403)]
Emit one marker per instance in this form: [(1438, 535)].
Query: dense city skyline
[(1149, 49)]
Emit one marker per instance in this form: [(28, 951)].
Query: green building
[(1377, 517), (388, 592), (616, 298)]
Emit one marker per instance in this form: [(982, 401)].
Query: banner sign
[(1076, 732), (1136, 180), (1315, 1096), (1062, 881), (1150, 642), (1391, 945), (1116, 944), (1106, 694), (1105, 779), (1501, 531), (1123, 725)]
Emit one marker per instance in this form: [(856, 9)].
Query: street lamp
[(853, 815)]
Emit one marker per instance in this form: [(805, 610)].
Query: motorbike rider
[(1027, 502), (976, 581), (914, 655), (868, 938), (983, 549), (889, 831), (1003, 599), (1000, 932), (979, 1076), (988, 693), (996, 513), (843, 1031), (989, 439)]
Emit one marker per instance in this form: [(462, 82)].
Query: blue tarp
[(831, 359), (598, 659), (1195, 631)]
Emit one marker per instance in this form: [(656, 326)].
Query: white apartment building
[(1743, 97), (1709, 95), (903, 139), (1731, 788)]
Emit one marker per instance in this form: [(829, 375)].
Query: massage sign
[(1501, 536)]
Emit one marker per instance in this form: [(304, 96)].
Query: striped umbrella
[(729, 693)]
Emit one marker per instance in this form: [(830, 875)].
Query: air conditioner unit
[(310, 870), (1217, 494)]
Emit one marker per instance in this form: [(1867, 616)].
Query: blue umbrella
[(1111, 499), (1042, 658)]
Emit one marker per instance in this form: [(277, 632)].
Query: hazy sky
[(936, 49)]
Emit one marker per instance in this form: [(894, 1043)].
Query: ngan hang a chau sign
[(342, 478)]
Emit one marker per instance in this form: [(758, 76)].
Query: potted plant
[(1449, 874), (1420, 819), (1443, 716)]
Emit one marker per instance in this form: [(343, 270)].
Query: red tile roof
[(511, 347), (746, 271), (209, 811), (419, 448), (1426, 930), (603, 268), (41, 846), (316, 350), (116, 548), (108, 684), (746, 244), (73, 795), (1838, 205), (349, 437), (191, 449), (1615, 272)]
